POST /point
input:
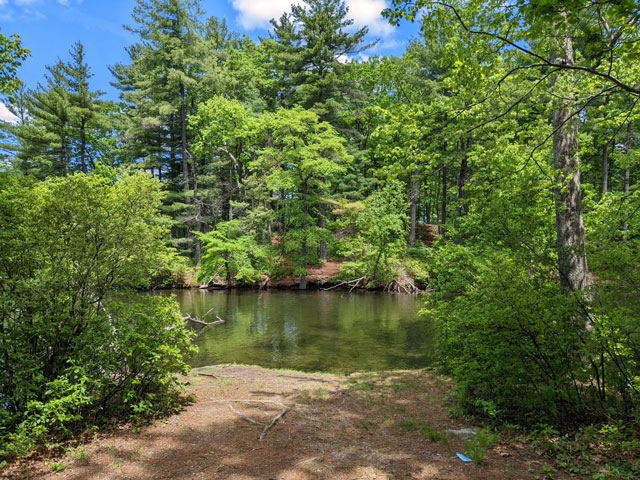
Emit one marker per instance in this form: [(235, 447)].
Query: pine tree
[(57, 121), (308, 50), (160, 88)]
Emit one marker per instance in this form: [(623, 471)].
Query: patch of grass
[(79, 455), (320, 394), (425, 429), (600, 452), (476, 449), (58, 467), (361, 385), (366, 425)]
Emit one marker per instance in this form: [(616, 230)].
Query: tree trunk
[(228, 275), (196, 206), (230, 191), (462, 178), (322, 224), (570, 238), (605, 167), (83, 147), (415, 189), (305, 212), (65, 155), (183, 138)]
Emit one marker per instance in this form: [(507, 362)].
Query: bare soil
[(335, 428)]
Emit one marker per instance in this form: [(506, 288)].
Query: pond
[(313, 331)]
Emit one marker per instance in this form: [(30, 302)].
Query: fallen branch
[(209, 375), (208, 312), (245, 401), (357, 280), (189, 318), (273, 422), (218, 365), (250, 420), (264, 284)]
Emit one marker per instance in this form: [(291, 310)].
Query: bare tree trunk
[(228, 275), (230, 190), (415, 189), (570, 239), (65, 155)]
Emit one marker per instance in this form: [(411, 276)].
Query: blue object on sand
[(463, 458)]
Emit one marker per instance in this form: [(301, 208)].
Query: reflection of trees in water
[(330, 331)]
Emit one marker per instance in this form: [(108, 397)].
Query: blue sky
[(49, 28)]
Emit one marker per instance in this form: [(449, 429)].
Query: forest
[(493, 165)]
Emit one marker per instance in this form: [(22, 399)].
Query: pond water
[(310, 331)]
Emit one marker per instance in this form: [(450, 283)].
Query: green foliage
[(69, 352), (600, 452), (509, 336), (381, 236), (12, 54), (58, 467), (307, 54), (425, 429), (303, 159), (233, 252), (62, 126)]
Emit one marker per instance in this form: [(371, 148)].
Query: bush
[(509, 336), (70, 353), (523, 349)]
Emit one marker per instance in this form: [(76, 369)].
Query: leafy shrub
[(70, 353), (510, 336)]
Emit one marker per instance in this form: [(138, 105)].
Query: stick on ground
[(273, 422), (250, 420)]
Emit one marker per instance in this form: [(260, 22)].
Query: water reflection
[(311, 331)]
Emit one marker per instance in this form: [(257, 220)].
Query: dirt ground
[(342, 428)]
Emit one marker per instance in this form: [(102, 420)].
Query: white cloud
[(257, 13), (6, 115), (3, 2), (367, 12), (64, 2), (26, 2)]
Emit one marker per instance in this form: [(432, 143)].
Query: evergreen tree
[(57, 122), (160, 88), (308, 51)]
